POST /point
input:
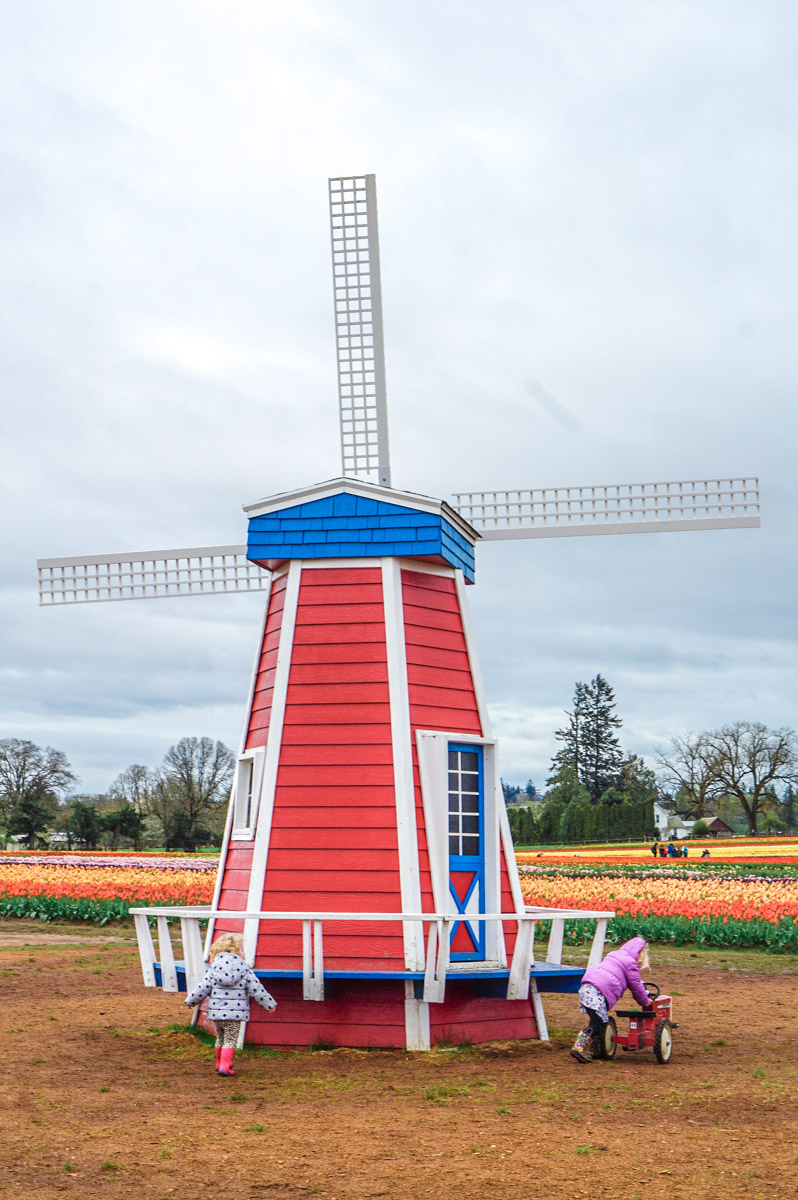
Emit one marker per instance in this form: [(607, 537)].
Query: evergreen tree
[(590, 747), (602, 757), (569, 756)]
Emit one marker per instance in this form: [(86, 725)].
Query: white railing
[(520, 982)]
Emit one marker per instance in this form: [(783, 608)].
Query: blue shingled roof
[(346, 525)]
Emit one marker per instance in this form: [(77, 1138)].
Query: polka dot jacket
[(230, 984)]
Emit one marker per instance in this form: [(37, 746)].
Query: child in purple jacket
[(603, 986)]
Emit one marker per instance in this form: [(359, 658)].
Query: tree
[(570, 755), (748, 760), (688, 770), (122, 822), (32, 781), (33, 813), (83, 822), (590, 747), (788, 812), (133, 787), (194, 780)]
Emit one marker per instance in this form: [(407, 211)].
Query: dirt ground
[(100, 1098)]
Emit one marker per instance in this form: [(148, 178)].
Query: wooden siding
[(260, 712), (334, 843), (440, 686), (442, 694), (235, 885), (361, 1013), (467, 1016)]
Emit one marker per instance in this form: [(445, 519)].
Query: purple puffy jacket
[(618, 971)]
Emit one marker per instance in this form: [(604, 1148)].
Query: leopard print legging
[(227, 1033)]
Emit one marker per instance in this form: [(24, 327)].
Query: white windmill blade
[(619, 508), (150, 575), (358, 328)]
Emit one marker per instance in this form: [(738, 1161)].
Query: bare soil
[(101, 1098)]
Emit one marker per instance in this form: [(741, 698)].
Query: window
[(464, 803), (247, 790)]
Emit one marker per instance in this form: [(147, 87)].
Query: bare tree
[(748, 760), (688, 771), (194, 780), (32, 782), (134, 786)]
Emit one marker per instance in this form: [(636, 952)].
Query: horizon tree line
[(181, 804)]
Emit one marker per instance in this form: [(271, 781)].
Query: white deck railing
[(520, 982)]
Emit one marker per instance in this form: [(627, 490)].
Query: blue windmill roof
[(349, 518)]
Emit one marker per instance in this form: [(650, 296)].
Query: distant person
[(602, 988), (705, 853), (662, 852), (230, 983), (684, 851), (654, 848), (671, 850)]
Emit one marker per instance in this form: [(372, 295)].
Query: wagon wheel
[(663, 1042), (603, 1045)]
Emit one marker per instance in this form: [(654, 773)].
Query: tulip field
[(99, 888), (746, 894)]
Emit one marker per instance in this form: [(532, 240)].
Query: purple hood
[(618, 971)]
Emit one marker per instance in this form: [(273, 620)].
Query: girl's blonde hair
[(642, 959), (228, 943)]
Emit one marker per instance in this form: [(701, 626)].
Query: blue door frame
[(467, 841)]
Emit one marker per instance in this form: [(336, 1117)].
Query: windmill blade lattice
[(149, 575), (358, 328), (617, 508)]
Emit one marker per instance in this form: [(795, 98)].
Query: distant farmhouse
[(670, 825)]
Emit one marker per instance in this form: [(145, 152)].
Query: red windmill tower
[(367, 855)]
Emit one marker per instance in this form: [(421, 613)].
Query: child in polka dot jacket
[(229, 983)]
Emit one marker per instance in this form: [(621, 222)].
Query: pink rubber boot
[(226, 1061), (218, 1050)]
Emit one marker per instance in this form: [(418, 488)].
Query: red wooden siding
[(441, 690), (442, 694), (235, 886), (466, 1016), (334, 843), (260, 712)]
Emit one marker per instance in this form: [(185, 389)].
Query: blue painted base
[(549, 977)]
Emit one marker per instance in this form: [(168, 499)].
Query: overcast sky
[(589, 266)]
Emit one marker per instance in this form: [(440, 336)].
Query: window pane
[(469, 783), (454, 823), (470, 804), (471, 824), (454, 843), (453, 760), (471, 846), (454, 780), (468, 761)]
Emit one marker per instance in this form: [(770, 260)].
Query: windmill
[(367, 769)]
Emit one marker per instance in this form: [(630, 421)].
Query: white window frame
[(433, 763), (249, 774)]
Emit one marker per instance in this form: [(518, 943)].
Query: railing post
[(166, 955), (192, 951), (518, 980), (146, 948), (312, 960), (437, 961), (554, 950), (597, 949)]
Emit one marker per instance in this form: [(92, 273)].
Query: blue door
[(467, 850)]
